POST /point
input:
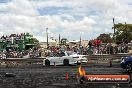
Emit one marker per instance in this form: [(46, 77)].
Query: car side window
[(62, 54), (57, 55)]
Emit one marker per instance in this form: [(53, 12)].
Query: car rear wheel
[(47, 62), (129, 67), (66, 62), (78, 63)]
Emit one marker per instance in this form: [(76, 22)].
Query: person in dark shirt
[(90, 44)]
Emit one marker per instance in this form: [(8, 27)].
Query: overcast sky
[(70, 18)]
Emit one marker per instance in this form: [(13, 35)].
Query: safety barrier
[(20, 61), (100, 58), (107, 58)]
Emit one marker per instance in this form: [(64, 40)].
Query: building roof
[(44, 39), (74, 41)]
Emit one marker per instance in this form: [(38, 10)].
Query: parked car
[(65, 58), (126, 63)]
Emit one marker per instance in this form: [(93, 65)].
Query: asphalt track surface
[(38, 76)]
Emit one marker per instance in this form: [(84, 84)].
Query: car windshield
[(70, 53), (60, 54)]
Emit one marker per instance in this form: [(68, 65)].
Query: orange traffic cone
[(77, 75), (67, 76), (110, 63)]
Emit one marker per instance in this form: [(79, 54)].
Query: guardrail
[(100, 58), (21, 61)]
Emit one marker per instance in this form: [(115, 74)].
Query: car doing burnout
[(126, 63), (65, 58)]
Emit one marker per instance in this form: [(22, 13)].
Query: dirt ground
[(38, 76)]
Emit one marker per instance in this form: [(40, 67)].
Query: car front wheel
[(129, 67), (47, 62), (66, 62)]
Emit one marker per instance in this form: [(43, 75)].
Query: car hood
[(79, 55)]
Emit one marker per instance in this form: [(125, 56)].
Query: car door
[(57, 59), (54, 60), (62, 57)]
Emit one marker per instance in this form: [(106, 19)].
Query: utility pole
[(80, 40), (47, 38), (126, 33), (80, 46), (59, 40), (114, 30)]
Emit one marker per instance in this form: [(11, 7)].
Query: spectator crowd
[(90, 49), (12, 37), (31, 53)]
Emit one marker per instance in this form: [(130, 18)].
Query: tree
[(123, 32), (105, 38)]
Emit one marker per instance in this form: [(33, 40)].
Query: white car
[(65, 58)]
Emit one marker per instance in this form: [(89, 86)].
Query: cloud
[(21, 7), (1, 33), (70, 18), (19, 17)]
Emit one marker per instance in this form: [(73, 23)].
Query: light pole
[(47, 38), (114, 30), (126, 33)]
